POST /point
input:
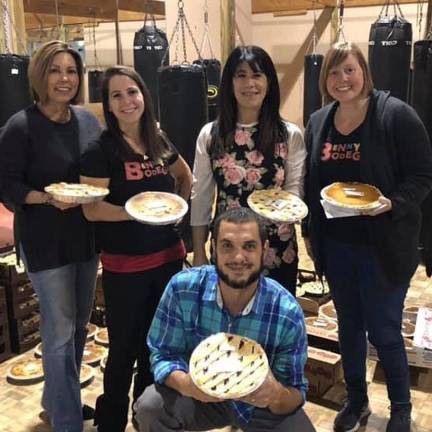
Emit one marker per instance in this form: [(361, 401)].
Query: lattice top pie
[(78, 193), (157, 208), (277, 205), (228, 366), (352, 195)]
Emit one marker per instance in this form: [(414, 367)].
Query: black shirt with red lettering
[(340, 162), (128, 178)]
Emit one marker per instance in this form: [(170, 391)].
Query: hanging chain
[(206, 36), (419, 18), (93, 39), (180, 25), (340, 35), (8, 22), (314, 40), (396, 7)]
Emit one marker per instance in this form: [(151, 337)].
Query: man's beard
[(239, 284)]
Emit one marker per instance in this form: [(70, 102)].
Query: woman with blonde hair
[(364, 135), (42, 145)]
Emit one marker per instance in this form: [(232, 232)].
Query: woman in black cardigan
[(367, 136)]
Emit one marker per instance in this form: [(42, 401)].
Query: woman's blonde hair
[(39, 68), (334, 57)]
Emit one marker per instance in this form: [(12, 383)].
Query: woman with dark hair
[(248, 147), (131, 156), (367, 136), (41, 145)]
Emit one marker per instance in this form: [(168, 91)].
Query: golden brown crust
[(228, 366), (79, 193)]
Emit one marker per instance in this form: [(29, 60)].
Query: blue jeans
[(367, 305), (66, 298)]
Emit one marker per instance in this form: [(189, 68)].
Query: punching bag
[(14, 85), (212, 68), (422, 82), (150, 45), (94, 85), (390, 41), (183, 106), (312, 98)]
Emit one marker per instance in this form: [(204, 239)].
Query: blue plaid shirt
[(189, 311)]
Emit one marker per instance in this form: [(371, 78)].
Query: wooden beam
[(103, 9), (272, 6)]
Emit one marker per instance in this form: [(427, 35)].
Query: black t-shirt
[(36, 152), (340, 162), (128, 178)]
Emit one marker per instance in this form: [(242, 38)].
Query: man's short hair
[(240, 215)]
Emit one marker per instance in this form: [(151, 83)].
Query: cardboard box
[(323, 370), (321, 336)]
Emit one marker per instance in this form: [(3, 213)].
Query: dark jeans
[(367, 305), (131, 300), (286, 275), (161, 409)]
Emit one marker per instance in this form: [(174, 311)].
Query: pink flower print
[(285, 231), (270, 258), (255, 157), (282, 150), (227, 161), (234, 174), (253, 176), (289, 255), (242, 137), (279, 177), (232, 203)]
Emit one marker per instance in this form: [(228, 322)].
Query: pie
[(26, 371), (93, 353), (352, 195), (228, 366), (76, 193), (407, 329), (101, 337), (156, 208), (103, 363), (322, 323), (316, 288), (328, 311), (91, 330), (87, 375), (277, 205)]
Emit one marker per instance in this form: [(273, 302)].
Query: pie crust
[(38, 350), (87, 375), (352, 195), (277, 205), (101, 337), (93, 353), (316, 288), (156, 208), (408, 329), (91, 331), (26, 371), (76, 193), (322, 323), (228, 366)]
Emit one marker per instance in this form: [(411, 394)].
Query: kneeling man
[(234, 297)]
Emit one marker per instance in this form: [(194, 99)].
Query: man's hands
[(385, 206), (265, 394)]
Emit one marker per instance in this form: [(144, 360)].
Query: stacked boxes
[(5, 351), (23, 305)]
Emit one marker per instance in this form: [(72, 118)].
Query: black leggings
[(131, 300)]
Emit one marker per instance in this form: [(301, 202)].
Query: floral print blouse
[(242, 170)]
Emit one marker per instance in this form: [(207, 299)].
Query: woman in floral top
[(248, 147)]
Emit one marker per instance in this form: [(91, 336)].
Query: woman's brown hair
[(334, 57), (39, 69)]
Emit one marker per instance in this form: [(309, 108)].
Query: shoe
[(400, 418), (88, 412), (352, 416)]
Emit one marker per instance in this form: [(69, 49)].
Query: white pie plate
[(68, 194), (157, 198)]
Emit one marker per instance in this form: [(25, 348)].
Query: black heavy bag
[(183, 106), (312, 98), (150, 44), (422, 82), (95, 85), (390, 41), (212, 68), (14, 85)]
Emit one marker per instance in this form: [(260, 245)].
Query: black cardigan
[(396, 157)]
